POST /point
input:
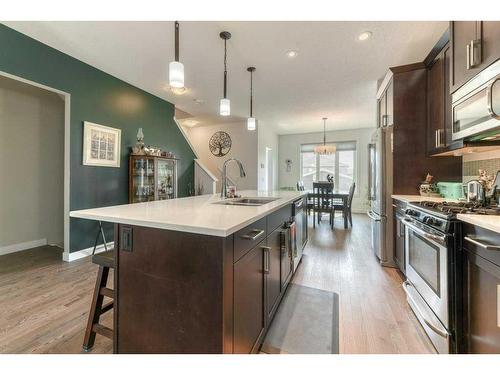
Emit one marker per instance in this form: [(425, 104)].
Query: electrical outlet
[(126, 238)]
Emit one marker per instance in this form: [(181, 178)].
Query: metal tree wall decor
[(220, 144)]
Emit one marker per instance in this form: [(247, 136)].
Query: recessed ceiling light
[(292, 53), (190, 123), (365, 35), (179, 90)]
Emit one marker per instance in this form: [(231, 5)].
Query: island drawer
[(277, 218), (247, 238)]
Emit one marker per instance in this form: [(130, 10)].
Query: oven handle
[(432, 237), (440, 332)]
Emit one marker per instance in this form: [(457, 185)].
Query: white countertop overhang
[(196, 214)]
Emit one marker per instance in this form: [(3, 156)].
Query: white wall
[(289, 148), (267, 138), (244, 148), (31, 164)]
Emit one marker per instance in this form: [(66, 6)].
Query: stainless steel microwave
[(476, 107)]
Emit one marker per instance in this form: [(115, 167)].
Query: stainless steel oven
[(476, 107), (426, 254)]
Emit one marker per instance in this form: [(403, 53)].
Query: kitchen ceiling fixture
[(176, 68), (251, 119), (292, 53), (225, 103), (365, 35), (324, 149)]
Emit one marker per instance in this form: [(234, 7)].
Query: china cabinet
[(152, 178)]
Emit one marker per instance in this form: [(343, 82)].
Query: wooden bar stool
[(106, 261)]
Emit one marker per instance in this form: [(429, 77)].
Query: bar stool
[(106, 261)]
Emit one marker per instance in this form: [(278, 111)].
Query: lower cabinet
[(248, 302), (399, 243), (273, 274)]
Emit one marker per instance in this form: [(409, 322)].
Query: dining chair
[(309, 201), (322, 201), (347, 209)]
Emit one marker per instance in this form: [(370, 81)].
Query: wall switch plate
[(126, 238)]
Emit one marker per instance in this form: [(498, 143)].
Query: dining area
[(327, 199)]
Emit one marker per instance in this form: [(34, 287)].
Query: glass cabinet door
[(143, 180), (165, 183)]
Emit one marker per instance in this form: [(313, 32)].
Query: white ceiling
[(334, 74)]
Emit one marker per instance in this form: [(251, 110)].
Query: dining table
[(335, 193)]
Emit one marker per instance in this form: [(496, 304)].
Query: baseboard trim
[(22, 246), (85, 252)]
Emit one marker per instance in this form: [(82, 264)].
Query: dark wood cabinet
[(248, 318), (481, 290), (475, 45), (439, 115), (273, 273)]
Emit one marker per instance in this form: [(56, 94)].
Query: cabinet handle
[(473, 240), (438, 138), (468, 56), (266, 249), (253, 234)]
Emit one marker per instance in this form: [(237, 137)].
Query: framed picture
[(101, 145)]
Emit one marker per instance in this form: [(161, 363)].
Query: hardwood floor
[(374, 315), (44, 301)]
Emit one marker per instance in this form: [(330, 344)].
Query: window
[(341, 165)]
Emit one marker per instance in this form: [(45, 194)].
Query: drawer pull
[(475, 241), (266, 258), (253, 234)]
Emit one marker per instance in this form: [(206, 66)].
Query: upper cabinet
[(475, 45), (439, 116), (385, 103)]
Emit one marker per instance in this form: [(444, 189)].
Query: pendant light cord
[(176, 41), (225, 69), (324, 132), (251, 93)]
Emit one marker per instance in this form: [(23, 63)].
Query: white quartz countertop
[(196, 214), (491, 222), (419, 198)]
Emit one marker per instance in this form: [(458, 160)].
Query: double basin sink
[(246, 201)]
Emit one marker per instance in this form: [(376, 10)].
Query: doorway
[(34, 149)]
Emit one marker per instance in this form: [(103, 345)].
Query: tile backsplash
[(489, 161)]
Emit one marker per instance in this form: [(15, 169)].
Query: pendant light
[(325, 149), (176, 68), (251, 119), (225, 103)]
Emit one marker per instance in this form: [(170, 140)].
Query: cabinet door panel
[(273, 277), (248, 300), (491, 42), (448, 118), (382, 110), (463, 32), (435, 104), (482, 294)]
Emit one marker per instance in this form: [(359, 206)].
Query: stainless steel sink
[(246, 201)]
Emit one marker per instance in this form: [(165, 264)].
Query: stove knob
[(411, 212), (429, 220)]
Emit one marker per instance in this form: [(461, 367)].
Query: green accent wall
[(103, 99)]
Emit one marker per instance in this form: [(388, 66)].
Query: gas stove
[(439, 215)]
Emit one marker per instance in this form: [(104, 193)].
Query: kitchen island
[(196, 275)]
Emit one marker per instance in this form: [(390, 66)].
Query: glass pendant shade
[(176, 74), (325, 149), (251, 123), (225, 107)]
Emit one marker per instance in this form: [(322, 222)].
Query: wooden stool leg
[(95, 308)]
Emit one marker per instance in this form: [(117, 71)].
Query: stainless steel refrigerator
[(380, 191)]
